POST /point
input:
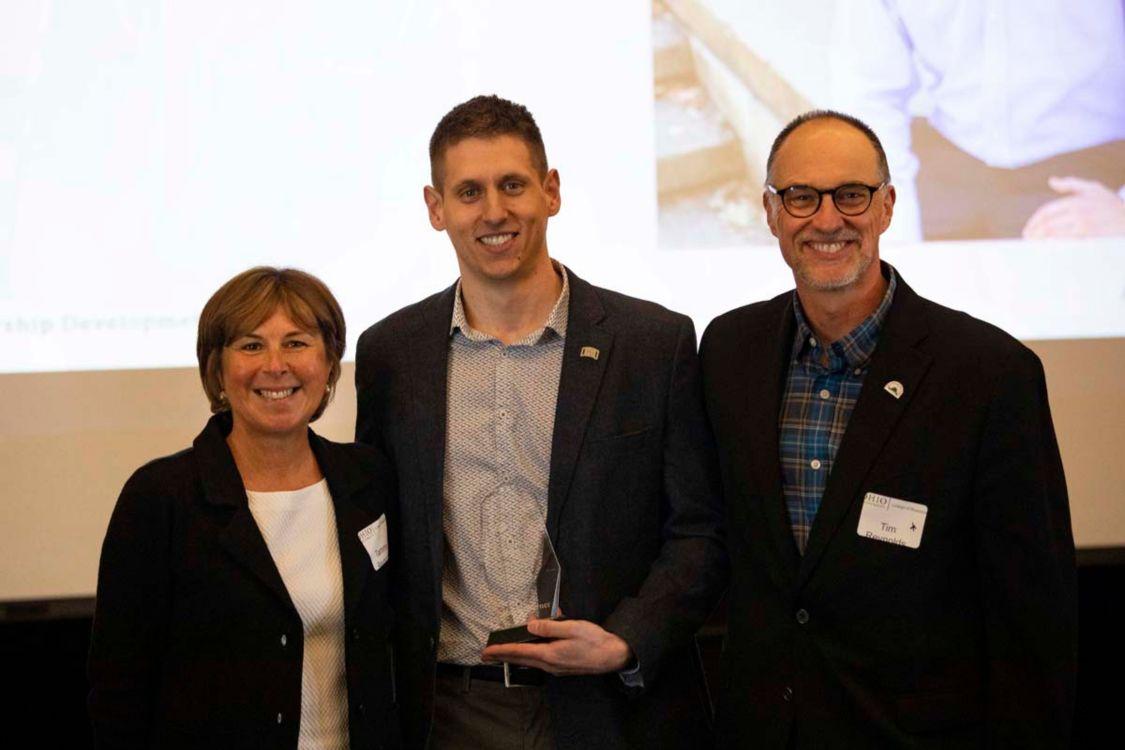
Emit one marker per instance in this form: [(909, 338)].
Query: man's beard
[(807, 273), (810, 280)]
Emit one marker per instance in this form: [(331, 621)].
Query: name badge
[(374, 540), (889, 519)]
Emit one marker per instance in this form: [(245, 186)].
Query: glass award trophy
[(547, 582)]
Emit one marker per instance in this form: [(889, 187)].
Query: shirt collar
[(554, 326), (855, 348)]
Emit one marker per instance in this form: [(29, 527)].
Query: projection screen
[(151, 149)]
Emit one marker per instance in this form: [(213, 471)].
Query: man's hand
[(579, 647), (1090, 209)]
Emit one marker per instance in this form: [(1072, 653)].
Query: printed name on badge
[(374, 540), (889, 519)]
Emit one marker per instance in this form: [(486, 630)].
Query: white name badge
[(374, 540), (889, 519)]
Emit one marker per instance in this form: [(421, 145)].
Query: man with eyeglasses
[(900, 543)]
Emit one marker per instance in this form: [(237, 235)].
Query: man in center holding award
[(552, 457)]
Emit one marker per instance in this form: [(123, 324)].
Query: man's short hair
[(829, 114), (485, 117)]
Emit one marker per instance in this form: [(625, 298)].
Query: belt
[(517, 676)]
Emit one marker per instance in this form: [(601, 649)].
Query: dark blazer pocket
[(627, 437), (203, 737), (924, 712)]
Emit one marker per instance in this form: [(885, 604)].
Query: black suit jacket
[(968, 640), (632, 506), (187, 648)]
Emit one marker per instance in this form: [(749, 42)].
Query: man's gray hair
[(829, 114)]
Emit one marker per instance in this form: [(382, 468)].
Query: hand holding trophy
[(562, 647)]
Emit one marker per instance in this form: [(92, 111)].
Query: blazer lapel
[(428, 350), (222, 486), (579, 383), (344, 480), (354, 562), (765, 384), (873, 419)]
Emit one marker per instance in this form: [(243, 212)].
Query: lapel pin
[(589, 351), (894, 388)]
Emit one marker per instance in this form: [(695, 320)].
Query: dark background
[(43, 653)]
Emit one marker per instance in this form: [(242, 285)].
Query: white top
[(300, 530), (1011, 83)]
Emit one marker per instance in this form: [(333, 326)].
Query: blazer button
[(279, 717), (355, 634), (361, 708), (284, 639), (433, 644), (802, 616), (787, 694)]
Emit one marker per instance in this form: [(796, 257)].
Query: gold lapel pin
[(894, 388), (589, 351)]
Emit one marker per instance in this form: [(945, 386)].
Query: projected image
[(998, 122), (150, 149), (708, 165)]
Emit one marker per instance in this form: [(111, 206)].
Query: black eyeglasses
[(802, 201)]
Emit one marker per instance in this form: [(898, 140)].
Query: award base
[(518, 634)]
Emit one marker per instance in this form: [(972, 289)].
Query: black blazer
[(968, 640), (195, 641), (632, 506)]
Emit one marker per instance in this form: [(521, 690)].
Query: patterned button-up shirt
[(499, 425), (818, 402)]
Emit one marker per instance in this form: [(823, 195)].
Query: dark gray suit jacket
[(968, 640), (632, 506)]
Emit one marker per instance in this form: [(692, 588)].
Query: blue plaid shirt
[(817, 405)]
